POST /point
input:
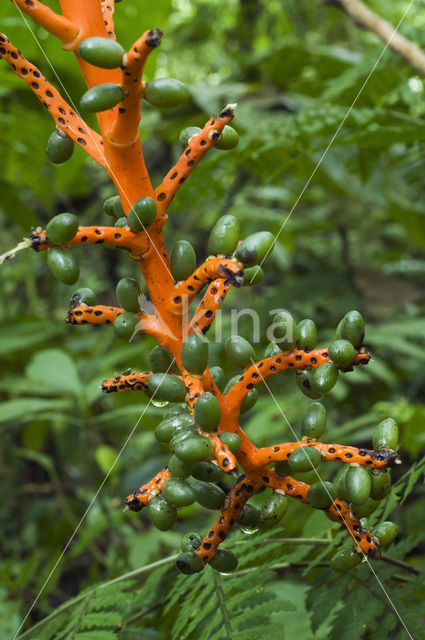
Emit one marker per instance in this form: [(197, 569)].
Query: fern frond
[(111, 619)]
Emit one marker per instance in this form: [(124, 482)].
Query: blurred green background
[(355, 239)]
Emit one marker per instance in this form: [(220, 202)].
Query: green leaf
[(55, 371)]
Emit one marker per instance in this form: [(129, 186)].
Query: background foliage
[(356, 239)]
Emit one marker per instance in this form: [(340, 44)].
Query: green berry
[(128, 292), (386, 434), (166, 387), (207, 412), (313, 422), (218, 376), (162, 514), (344, 560), (231, 440), (358, 485), (284, 330), (187, 134), (101, 52), (272, 350), (191, 541), (182, 260), (325, 377), (60, 148), (352, 328), (249, 519), (170, 426), (380, 484), (252, 276), (121, 222), (208, 472), (224, 561), (342, 352), (304, 380), (254, 248), (385, 532), (321, 495), (208, 495), (306, 334), (83, 296), (304, 459), (165, 92), (63, 265), (272, 510), (240, 351), (282, 468), (142, 214), (62, 228), (189, 563), (125, 325), (176, 409), (229, 139), (178, 492), (194, 353), (194, 449), (160, 359), (180, 469), (101, 97), (249, 401), (366, 509), (224, 236), (113, 207)]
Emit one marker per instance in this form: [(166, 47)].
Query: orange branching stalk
[(116, 147)]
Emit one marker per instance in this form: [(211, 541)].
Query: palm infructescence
[(204, 434)]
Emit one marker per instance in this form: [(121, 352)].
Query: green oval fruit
[(142, 214), (231, 440), (170, 426), (313, 422), (83, 296), (101, 52), (249, 401), (380, 484), (63, 265), (101, 97), (207, 412), (229, 139), (180, 469), (177, 409), (185, 433), (385, 532), (128, 292), (191, 541), (187, 134), (341, 491), (352, 328), (62, 228), (325, 377), (358, 485), (224, 561), (284, 330), (304, 459), (165, 92), (60, 148), (321, 495), (282, 468), (178, 492), (249, 519), (252, 276), (218, 376), (366, 509), (304, 381), (345, 559), (195, 353), (160, 359), (386, 434), (342, 352), (272, 350), (306, 334), (162, 514), (224, 236), (182, 260), (254, 248), (166, 387), (125, 325), (189, 563), (208, 472), (121, 222), (113, 207), (231, 383), (207, 494), (272, 510), (194, 449), (239, 350)]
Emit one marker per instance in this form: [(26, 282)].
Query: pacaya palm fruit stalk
[(207, 446)]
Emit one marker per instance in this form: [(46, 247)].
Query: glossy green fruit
[(386, 434), (170, 426), (162, 514), (380, 484), (165, 92), (284, 330), (272, 510), (385, 532), (207, 494), (231, 383), (101, 97), (306, 334), (231, 440), (352, 328), (218, 376), (101, 52), (207, 412), (282, 468), (177, 409), (63, 265), (178, 492), (229, 139), (304, 381), (253, 275), (125, 325), (313, 422), (321, 495), (304, 459), (344, 560), (366, 509), (224, 561), (121, 222), (254, 248), (208, 472), (182, 260), (240, 351), (189, 563), (272, 350), (160, 359), (249, 401), (191, 541), (166, 387), (194, 449), (185, 433), (83, 296), (195, 353), (187, 134), (325, 377), (358, 485), (342, 352), (249, 520), (128, 292), (60, 148), (180, 469), (224, 236), (142, 214), (62, 228), (113, 207), (341, 491)]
